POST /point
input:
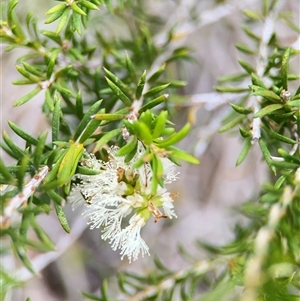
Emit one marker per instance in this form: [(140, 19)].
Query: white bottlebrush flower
[(118, 191)]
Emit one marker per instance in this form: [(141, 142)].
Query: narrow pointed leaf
[(231, 124), (174, 138), (266, 155), (27, 97), (61, 216), (106, 138), (5, 172), (140, 86), (118, 92), (268, 110), (143, 132), (270, 95), (63, 20), (245, 151), (54, 16), (13, 147), (247, 67), (109, 117), (77, 9), (156, 90), (56, 8), (128, 147), (88, 5), (240, 109), (87, 118), (285, 68), (160, 124), (230, 89), (153, 103), (56, 119), (280, 137), (182, 155)]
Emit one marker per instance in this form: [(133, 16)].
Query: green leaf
[(109, 117), (79, 105), (69, 162), (174, 138), (160, 124), (285, 68), (14, 148), (32, 70), (140, 86), (41, 234), (56, 8), (22, 134), (294, 103), (87, 118), (240, 109), (280, 137), (77, 9), (245, 151), (21, 251), (270, 95), (266, 155), (182, 155), (232, 78), (250, 33), (106, 138), (63, 20), (23, 81), (128, 147), (268, 110), (245, 133), (252, 14), (245, 49), (130, 67), (38, 152), (153, 78), (52, 35), (231, 124), (247, 67), (156, 90), (5, 172), (89, 130), (54, 16), (20, 175), (51, 66), (123, 87), (143, 132), (60, 213), (76, 22), (230, 89), (27, 97), (88, 5), (118, 92), (56, 119), (130, 155), (10, 12), (153, 103), (256, 81), (27, 74)]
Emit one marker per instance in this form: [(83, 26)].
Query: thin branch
[(23, 196), (263, 53)]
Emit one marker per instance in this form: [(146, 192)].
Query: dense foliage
[(108, 93)]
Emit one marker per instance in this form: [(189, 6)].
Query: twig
[(23, 196), (267, 32)]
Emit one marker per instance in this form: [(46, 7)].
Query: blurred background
[(208, 194)]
